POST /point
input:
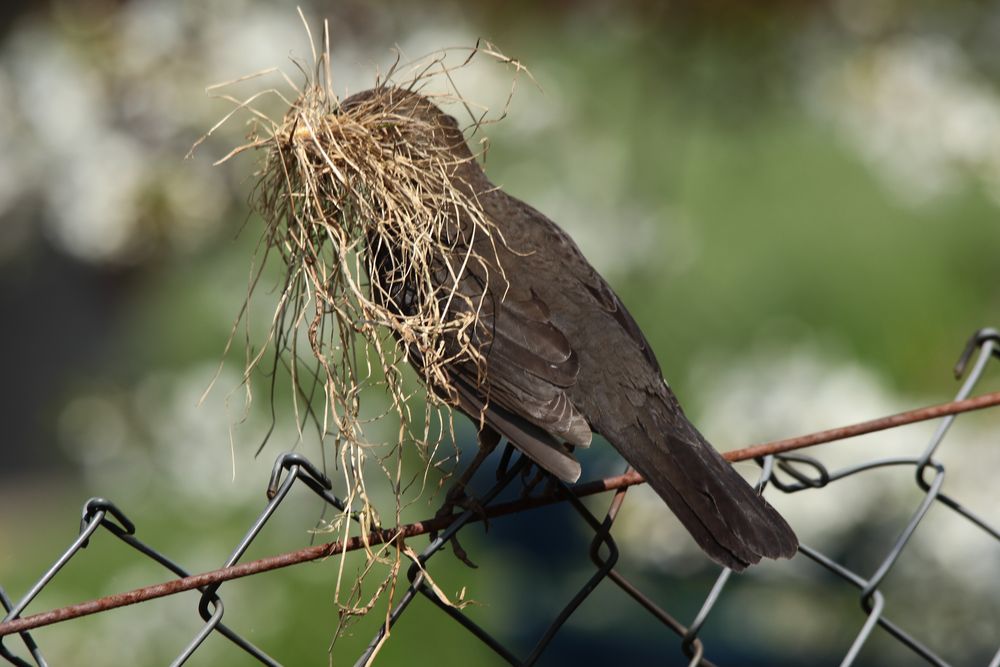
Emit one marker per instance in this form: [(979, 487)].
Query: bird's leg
[(541, 476), (504, 466), (488, 441), (457, 497), (532, 477)]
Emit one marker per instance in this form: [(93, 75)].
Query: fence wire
[(787, 472)]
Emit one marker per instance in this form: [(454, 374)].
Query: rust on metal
[(617, 482)]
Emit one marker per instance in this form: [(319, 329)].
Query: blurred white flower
[(162, 433), (111, 103), (103, 114), (95, 194), (93, 429), (915, 108)]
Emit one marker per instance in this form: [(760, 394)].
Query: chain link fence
[(784, 472)]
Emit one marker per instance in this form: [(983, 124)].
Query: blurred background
[(797, 201)]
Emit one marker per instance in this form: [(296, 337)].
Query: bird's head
[(382, 189), (385, 120)]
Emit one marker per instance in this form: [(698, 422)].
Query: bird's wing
[(520, 385)]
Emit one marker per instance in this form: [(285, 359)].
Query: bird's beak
[(302, 134)]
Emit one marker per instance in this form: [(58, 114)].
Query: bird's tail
[(728, 519)]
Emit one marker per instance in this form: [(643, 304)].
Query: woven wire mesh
[(789, 473)]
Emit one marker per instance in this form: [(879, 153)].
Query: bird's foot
[(534, 476), (457, 498), (504, 466), (460, 553)]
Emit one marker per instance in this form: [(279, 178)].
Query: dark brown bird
[(563, 358)]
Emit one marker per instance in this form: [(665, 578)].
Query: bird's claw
[(456, 497), (532, 477), (460, 552)]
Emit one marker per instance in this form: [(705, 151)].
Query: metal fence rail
[(787, 472)]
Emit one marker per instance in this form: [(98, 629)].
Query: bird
[(561, 358)]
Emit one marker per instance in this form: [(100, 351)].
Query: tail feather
[(728, 519)]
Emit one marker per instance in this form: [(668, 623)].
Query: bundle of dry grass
[(363, 191), (366, 209)]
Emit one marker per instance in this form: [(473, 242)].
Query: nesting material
[(374, 232), (361, 204)]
